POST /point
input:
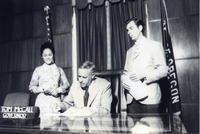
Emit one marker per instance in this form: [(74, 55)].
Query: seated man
[(89, 95)]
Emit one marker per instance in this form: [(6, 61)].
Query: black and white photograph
[(99, 66)]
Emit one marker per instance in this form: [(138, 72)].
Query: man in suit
[(88, 95), (145, 66)]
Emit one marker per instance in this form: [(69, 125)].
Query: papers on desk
[(73, 111), (137, 89)]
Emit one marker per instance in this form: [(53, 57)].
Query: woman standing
[(48, 81)]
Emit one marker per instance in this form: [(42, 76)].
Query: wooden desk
[(114, 124)]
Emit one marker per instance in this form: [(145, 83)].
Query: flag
[(172, 74)]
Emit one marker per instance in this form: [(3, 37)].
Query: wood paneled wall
[(184, 30), (22, 31)]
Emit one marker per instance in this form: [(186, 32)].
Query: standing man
[(145, 65), (89, 95)]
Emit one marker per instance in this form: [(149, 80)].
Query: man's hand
[(124, 79), (126, 86), (136, 76), (57, 107)]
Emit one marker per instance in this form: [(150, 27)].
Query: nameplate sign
[(18, 112)]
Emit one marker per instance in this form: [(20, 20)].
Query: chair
[(114, 77), (17, 99)]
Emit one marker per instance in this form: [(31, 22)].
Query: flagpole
[(147, 20), (74, 43), (108, 31)]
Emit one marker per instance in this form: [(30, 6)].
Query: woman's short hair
[(88, 65), (47, 45)]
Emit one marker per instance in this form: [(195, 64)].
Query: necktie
[(86, 96)]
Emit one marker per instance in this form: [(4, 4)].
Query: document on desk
[(73, 111)]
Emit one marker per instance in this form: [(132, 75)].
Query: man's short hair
[(137, 21), (88, 65)]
